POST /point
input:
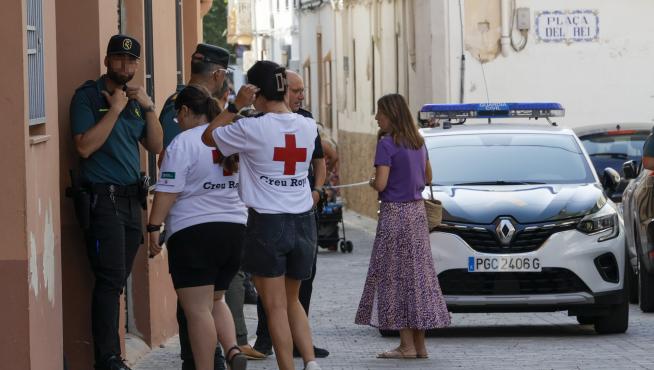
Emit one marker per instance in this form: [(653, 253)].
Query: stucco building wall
[(415, 48), (44, 270)]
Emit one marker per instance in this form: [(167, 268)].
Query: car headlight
[(603, 221)]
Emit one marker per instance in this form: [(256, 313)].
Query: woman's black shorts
[(205, 254), (280, 244)]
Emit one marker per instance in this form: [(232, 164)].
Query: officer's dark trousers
[(112, 242), (306, 288)]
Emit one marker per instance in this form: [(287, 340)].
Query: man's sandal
[(237, 361), (396, 353)]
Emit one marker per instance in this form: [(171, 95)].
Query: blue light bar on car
[(490, 110)]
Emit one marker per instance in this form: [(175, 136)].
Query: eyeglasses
[(225, 70)]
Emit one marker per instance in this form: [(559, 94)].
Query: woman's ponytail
[(212, 109), (199, 101)]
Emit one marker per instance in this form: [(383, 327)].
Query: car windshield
[(507, 159), (607, 150)]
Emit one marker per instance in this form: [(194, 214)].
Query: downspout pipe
[(505, 16), (412, 34)]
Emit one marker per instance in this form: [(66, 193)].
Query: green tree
[(215, 24)]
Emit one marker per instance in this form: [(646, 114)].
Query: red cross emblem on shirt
[(290, 154), (217, 158)]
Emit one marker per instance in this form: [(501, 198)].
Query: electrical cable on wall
[(525, 33), (483, 73), (463, 57)]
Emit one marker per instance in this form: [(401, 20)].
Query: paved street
[(475, 341)]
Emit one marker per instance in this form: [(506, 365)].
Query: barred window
[(35, 70)]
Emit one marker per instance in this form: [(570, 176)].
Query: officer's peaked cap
[(123, 44), (212, 54)]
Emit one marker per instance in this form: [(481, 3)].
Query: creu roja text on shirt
[(284, 182), (228, 185)]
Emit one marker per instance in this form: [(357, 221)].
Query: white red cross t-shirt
[(275, 153), (206, 192)]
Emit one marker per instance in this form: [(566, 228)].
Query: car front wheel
[(617, 320)]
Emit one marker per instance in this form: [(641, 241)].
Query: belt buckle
[(112, 193)]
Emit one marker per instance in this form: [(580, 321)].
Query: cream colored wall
[(417, 68), (608, 81), (357, 118), (311, 23)]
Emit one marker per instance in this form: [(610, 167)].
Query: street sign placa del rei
[(567, 26)]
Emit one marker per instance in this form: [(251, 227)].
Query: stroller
[(329, 219)]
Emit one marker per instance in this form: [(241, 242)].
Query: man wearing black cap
[(209, 66), (108, 121)]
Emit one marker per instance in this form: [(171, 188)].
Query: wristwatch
[(322, 194), (231, 108), (152, 228), (149, 108)]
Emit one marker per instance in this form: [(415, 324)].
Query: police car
[(526, 225)]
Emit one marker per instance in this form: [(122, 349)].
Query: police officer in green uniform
[(108, 120), (209, 66)]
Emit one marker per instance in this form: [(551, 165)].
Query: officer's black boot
[(219, 359), (115, 363)]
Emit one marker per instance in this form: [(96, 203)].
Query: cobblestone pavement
[(475, 341)]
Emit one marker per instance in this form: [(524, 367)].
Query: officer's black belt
[(116, 190)]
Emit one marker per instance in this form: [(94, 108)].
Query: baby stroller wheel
[(349, 246), (342, 246)]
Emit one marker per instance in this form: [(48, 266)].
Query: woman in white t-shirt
[(205, 225), (280, 243)]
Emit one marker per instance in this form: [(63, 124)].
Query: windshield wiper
[(612, 155), (500, 183)]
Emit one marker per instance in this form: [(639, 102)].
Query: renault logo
[(505, 231)]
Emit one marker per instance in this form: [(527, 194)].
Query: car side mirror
[(630, 170), (610, 179)]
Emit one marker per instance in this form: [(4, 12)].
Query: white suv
[(526, 225)]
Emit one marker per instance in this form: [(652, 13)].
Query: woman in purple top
[(401, 291)]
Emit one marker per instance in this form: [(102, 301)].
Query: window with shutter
[(35, 70)]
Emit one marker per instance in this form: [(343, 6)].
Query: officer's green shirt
[(117, 161), (167, 118)]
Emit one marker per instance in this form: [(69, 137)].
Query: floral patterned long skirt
[(401, 289)]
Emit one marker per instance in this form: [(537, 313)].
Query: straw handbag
[(434, 209)]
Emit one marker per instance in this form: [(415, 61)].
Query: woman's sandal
[(237, 361), (396, 353), (422, 355)]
